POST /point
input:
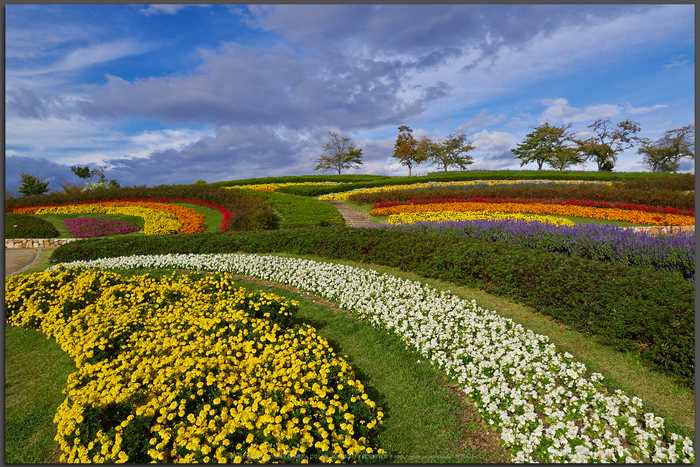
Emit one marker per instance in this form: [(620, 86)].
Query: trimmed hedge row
[(28, 226), (300, 211), (649, 196), (248, 212), (348, 178), (630, 308)]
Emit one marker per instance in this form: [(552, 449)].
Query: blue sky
[(169, 94)]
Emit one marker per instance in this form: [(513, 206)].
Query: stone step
[(352, 217)]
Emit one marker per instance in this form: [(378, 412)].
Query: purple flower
[(87, 227), (591, 241)]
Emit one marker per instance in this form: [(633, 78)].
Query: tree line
[(548, 144)]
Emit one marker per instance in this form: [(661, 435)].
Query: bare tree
[(338, 154)]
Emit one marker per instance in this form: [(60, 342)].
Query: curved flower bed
[(450, 216), (160, 218), (225, 212), (596, 242), (597, 204), (274, 186), (542, 402), (88, 227), (612, 214), (182, 370), (347, 194)]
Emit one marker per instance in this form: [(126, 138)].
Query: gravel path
[(19, 259)]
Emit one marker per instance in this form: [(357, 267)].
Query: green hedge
[(348, 178), (248, 212), (352, 182), (28, 226), (630, 308), (300, 211)]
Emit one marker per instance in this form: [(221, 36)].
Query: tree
[(665, 154), (609, 141), (448, 152), (406, 149), (338, 154), (31, 185), (546, 145), (565, 157), (86, 173)]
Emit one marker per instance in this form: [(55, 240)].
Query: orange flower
[(611, 214)]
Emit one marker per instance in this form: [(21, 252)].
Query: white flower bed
[(540, 400)]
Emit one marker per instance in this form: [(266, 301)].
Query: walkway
[(352, 217), (17, 260)]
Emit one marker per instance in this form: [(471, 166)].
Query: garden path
[(352, 217), (19, 259)]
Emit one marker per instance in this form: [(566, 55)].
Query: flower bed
[(224, 223), (541, 401), (160, 218), (88, 227), (183, 370), (596, 242), (597, 204), (415, 186), (612, 214), (447, 216), (274, 186)]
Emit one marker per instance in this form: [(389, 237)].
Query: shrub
[(628, 307), (28, 226)]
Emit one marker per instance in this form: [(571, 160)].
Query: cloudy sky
[(169, 94)]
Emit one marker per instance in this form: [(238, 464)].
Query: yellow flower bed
[(444, 216), (274, 186), (347, 194), (612, 214), (159, 218), (191, 370)]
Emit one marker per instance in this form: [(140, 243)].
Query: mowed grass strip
[(36, 371), (661, 394), (299, 211), (427, 419)]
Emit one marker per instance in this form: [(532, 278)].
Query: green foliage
[(31, 185), (248, 212), (448, 152), (631, 308), (339, 154), (300, 211), (28, 226), (608, 142), (82, 172), (406, 149), (347, 178), (665, 154), (546, 145)]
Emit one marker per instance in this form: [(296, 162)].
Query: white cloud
[(158, 9), (87, 56), (677, 61), (642, 110), (494, 141), (559, 111)]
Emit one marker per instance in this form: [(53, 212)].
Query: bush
[(28, 226), (300, 211), (628, 307)]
